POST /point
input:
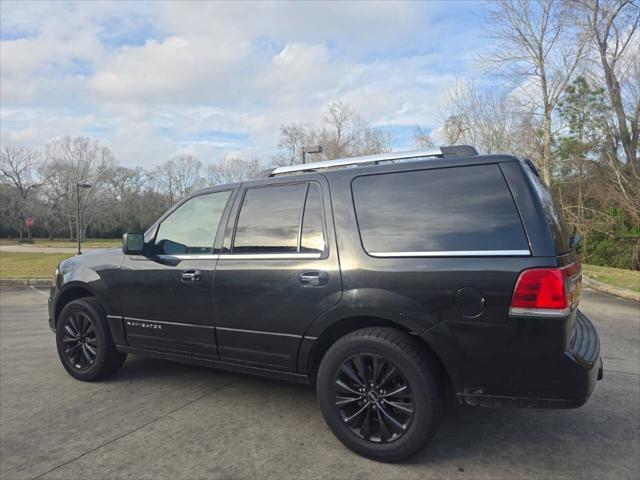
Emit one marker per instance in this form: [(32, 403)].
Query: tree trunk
[(546, 145), (613, 87), (71, 230)]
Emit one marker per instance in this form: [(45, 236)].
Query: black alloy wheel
[(79, 339), (379, 392), (84, 343), (373, 398)]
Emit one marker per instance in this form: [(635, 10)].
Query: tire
[(84, 343), (408, 403)]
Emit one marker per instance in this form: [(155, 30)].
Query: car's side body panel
[(161, 311)]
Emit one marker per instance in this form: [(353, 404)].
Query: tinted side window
[(191, 229), (312, 239), (452, 209), (269, 220), (559, 230)]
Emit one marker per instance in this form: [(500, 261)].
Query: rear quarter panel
[(418, 293)]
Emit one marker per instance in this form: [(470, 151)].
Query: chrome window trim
[(270, 256), (455, 253), (539, 312)]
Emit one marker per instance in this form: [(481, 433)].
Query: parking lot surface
[(156, 419)]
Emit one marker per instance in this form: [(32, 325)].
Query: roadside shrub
[(620, 250)]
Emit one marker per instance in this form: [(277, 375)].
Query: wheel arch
[(73, 292), (310, 359)]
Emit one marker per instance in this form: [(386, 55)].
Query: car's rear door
[(278, 271)]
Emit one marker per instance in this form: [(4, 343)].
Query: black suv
[(379, 278)]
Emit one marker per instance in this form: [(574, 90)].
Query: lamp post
[(78, 187), (311, 149)]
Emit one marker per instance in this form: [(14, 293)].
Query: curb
[(611, 290), (25, 282)]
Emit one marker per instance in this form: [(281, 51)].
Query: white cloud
[(154, 79)]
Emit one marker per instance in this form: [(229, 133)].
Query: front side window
[(439, 211), (191, 229), (271, 220)]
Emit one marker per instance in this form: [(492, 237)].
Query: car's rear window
[(456, 211)]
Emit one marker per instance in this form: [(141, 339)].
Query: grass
[(29, 265), (45, 242), (617, 277)]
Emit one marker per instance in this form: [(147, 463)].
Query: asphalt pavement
[(156, 419)]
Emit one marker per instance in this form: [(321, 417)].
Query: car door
[(166, 295), (277, 273)]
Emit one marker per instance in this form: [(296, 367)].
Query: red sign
[(29, 221)]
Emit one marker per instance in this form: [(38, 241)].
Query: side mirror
[(133, 243)]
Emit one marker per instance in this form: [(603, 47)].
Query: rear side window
[(271, 220), (559, 230), (451, 211)]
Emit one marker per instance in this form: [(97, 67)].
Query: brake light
[(545, 292)]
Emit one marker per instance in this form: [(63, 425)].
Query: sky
[(218, 79)]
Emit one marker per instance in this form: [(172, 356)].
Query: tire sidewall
[(95, 313), (423, 421)]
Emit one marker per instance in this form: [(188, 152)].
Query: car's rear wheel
[(379, 393), (85, 346)]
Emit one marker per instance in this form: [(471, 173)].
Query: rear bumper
[(593, 375), (539, 363)]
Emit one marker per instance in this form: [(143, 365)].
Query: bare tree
[(612, 26), (18, 166), (179, 176), (293, 137), (232, 170), (537, 44), (421, 138), (347, 134), (488, 119), (343, 134), (72, 161)]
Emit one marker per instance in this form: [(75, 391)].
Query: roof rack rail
[(451, 151)]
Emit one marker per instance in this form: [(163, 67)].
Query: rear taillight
[(546, 292)]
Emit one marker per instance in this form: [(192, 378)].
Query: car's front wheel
[(84, 343), (379, 393)]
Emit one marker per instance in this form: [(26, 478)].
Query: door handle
[(313, 279), (190, 276)]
